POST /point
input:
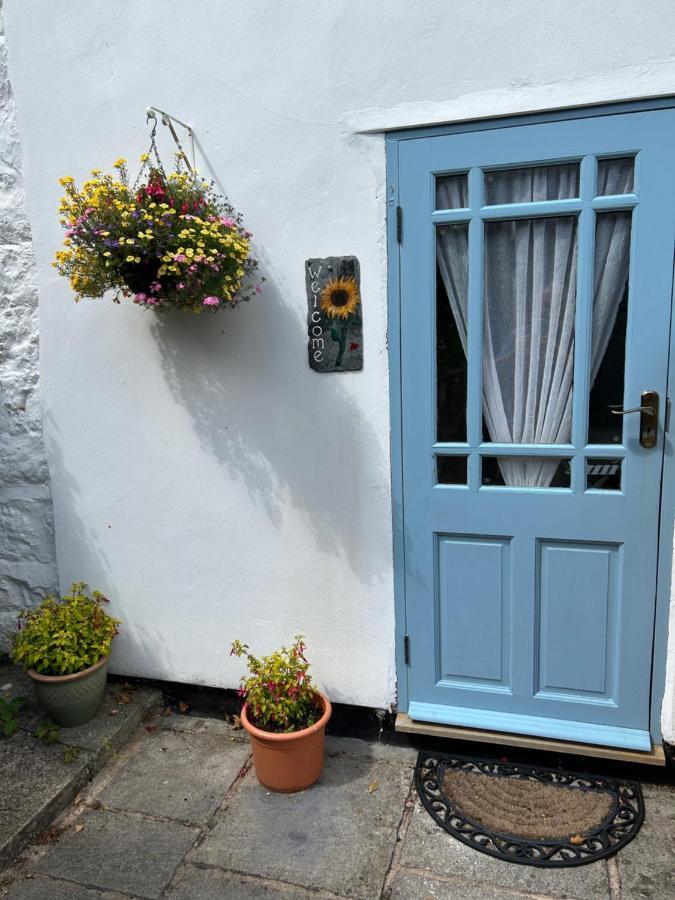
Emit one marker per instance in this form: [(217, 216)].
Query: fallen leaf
[(236, 723), (96, 804), (113, 712), (372, 787), (183, 707), (123, 697), (79, 827), (151, 729), (167, 711), (576, 839)]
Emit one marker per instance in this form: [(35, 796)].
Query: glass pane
[(452, 242), (452, 191), (532, 183), (451, 469), (525, 471), (610, 314), (615, 176), (528, 334), (603, 474)]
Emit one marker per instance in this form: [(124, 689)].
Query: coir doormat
[(527, 814)]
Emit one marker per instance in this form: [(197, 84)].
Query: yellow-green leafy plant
[(63, 636), (167, 242), (278, 691)]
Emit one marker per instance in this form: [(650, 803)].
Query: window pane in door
[(610, 312), (452, 191), (451, 469), (452, 243), (525, 471), (528, 329), (603, 474), (615, 176), (532, 183)]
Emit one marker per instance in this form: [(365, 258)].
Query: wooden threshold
[(655, 757)]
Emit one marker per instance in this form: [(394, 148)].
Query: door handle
[(649, 416)]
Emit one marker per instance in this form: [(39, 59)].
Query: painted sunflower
[(340, 298)]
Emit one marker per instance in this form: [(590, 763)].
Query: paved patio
[(178, 813)]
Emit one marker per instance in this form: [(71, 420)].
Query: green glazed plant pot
[(72, 699)]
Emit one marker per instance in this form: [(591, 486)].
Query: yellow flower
[(107, 253), (119, 162), (67, 179), (339, 298), (130, 258), (144, 157)]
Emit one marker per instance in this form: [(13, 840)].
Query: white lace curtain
[(529, 305)]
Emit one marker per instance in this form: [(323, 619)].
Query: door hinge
[(406, 649), (399, 225), (666, 426)]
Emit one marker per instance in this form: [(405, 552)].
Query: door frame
[(666, 512)]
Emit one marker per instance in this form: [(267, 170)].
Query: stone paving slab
[(35, 782), (177, 775), (192, 883), (42, 888), (428, 846), (35, 785), (647, 864), (119, 852), (114, 720), (409, 886), (200, 725), (370, 750), (337, 836)]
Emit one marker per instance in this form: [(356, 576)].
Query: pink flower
[(155, 286), (140, 298), (211, 301), (227, 221), (180, 285)]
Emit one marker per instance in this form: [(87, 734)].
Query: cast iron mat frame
[(617, 829)]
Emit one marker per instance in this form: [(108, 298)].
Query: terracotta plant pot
[(72, 699), (288, 762)]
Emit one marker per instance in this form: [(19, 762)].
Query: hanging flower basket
[(167, 242)]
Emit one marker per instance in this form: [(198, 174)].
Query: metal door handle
[(617, 411), (649, 416)]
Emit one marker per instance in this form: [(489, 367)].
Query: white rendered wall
[(202, 474)]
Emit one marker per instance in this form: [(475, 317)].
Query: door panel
[(535, 280)]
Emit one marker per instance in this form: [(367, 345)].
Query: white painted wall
[(203, 475)]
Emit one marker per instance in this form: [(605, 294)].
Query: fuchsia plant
[(278, 691)]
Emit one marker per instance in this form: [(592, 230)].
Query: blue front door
[(535, 271)]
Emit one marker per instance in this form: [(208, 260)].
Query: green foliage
[(70, 753), (48, 732), (64, 636), (278, 691), (8, 711)]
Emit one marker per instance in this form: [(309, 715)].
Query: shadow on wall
[(292, 437), (82, 558)]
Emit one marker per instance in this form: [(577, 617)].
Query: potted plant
[(63, 645), (169, 242), (285, 717)]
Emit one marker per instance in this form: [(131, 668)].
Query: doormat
[(527, 814)]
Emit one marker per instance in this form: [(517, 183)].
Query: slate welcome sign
[(334, 315)]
